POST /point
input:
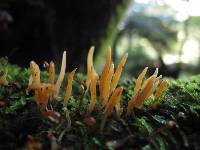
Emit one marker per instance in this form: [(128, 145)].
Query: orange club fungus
[(107, 98)]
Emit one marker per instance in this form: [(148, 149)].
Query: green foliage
[(151, 28)]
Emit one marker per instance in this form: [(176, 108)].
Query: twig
[(67, 128)]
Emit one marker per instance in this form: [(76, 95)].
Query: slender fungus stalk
[(161, 89), (118, 72), (68, 93), (136, 89), (139, 81), (105, 72), (113, 99), (34, 79), (146, 81), (154, 86), (145, 92), (106, 85), (111, 103), (155, 72), (118, 108), (42, 97), (3, 80), (51, 72), (94, 79), (61, 75), (89, 65), (138, 100), (35, 73)]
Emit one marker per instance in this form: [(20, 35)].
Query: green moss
[(146, 129)]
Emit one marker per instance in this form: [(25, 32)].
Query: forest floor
[(173, 122)]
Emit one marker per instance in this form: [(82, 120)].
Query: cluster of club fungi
[(110, 93)]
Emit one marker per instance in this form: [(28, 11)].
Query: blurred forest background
[(155, 33)]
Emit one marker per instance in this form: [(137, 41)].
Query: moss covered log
[(171, 123)]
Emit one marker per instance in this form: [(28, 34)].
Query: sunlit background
[(155, 33), (161, 33)]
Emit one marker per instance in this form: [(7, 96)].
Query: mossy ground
[(147, 128)]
